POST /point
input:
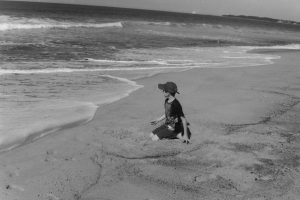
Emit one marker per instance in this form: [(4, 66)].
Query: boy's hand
[(154, 122), (186, 139)]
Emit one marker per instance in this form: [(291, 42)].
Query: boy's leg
[(154, 137), (151, 135), (184, 138), (151, 138), (179, 136)]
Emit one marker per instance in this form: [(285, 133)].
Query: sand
[(245, 143)]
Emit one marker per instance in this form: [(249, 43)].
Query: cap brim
[(161, 86)]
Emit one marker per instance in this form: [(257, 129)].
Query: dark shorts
[(163, 132)]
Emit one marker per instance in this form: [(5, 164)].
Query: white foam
[(160, 62), (289, 46), (8, 26), (132, 83), (43, 122), (242, 57), (163, 64), (253, 57), (11, 23), (159, 23), (151, 23), (40, 119), (70, 70), (141, 62)]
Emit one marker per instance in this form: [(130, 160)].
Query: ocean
[(60, 63)]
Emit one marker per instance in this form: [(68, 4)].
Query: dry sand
[(245, 143)]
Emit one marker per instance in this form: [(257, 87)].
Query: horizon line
[(193, 13)]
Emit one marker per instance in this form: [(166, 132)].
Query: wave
[(7, 26), (60, 114), (142, 62), (253, 57), (182, 67), (78, 113), (150, 23), (159, 23), (11, 23), (289, 46), (8, 43), (283, 47), (69, 70), (161, 62), (105, 65)]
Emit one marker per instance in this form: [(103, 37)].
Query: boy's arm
[(161, 117), (158, 119), (184, 123)]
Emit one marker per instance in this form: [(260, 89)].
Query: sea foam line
[(288, 46), (157, 62), (252, 57), (161, 62), (11, 26), (69, 70)]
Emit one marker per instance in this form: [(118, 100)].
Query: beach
[(79, 88), (244, 145)]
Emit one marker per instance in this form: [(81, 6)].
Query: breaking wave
[(11, 23), (288, 47), (69, 70), (142, 62)]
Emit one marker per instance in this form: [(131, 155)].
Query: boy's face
[(166, 94)]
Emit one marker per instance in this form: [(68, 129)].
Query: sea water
[(58, 68)]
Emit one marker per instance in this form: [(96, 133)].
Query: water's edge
[(7, 144), (31, 137)]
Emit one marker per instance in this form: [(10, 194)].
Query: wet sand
[(245, 143)]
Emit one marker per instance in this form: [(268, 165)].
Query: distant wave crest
[(69, 70), (159, 23), (10, 23), (143, 62), (288, 46)]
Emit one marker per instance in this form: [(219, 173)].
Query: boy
[(175, 126)]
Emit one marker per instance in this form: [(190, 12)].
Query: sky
[(279, 9)]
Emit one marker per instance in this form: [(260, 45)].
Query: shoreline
[(231, 145), (133, 82), (8, 143)]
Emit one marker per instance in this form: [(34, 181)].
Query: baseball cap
[(170, 87)]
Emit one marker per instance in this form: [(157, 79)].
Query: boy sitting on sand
[(175, 126)]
